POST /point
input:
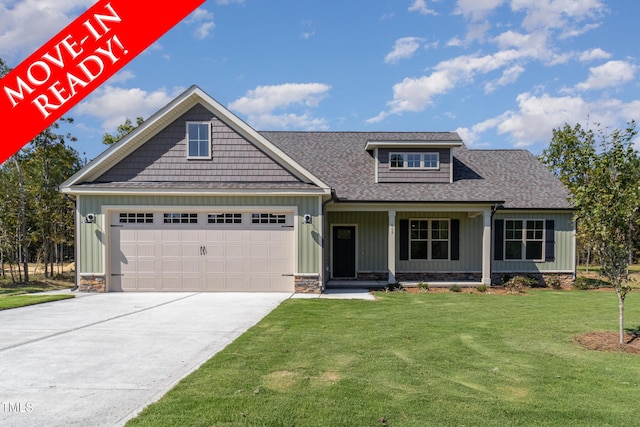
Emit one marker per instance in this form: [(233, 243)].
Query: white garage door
[(201, 251)]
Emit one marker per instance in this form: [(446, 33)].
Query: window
[(414, 161), (397, 160), (198, 140), (267, 218), (181, 218), (136, 218), (429, 239), (524, 239), (224, 218)]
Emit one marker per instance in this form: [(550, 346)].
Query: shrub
[(586, 283), (554, 282), (481, 288), (519, 284), (424, 287), (394, 287), (455, 288)]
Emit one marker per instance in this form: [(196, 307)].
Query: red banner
[(78, 60)]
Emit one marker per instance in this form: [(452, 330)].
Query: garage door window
[(268, 218), (136, 218), (224, 218), (181, 218)]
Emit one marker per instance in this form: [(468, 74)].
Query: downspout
[(75, 240), (325, 228)]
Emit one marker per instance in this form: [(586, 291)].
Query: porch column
[(486, 248), (391, 262)]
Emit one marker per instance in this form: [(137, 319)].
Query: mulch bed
[(608, 341)]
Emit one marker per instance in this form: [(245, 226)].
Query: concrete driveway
[(99, 359)]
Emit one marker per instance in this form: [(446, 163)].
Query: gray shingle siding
[(164, 157)]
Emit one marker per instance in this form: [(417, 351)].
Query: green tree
[(123, 130), (601, 169)]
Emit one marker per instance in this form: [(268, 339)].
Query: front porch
[(371, 246)]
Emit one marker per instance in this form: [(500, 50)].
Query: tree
[(601, 169), (123, 130)]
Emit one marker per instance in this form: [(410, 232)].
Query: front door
[(344, 252)]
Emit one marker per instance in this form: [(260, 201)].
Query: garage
[(191, 250)]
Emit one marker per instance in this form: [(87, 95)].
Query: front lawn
[(417, 360), (16, 301), (14, 295)]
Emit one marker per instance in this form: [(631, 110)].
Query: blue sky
[(502, 73)]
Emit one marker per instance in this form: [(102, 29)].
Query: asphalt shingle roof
[(339, 159)]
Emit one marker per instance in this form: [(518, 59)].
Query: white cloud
[(612, 73), (509, 76), (538, 115), (404, 48), (556, 13), (202, 19), (594, 54), (122, 77), (113, 105), (477, 9), (259, 105), (420, 6), (19, 37)]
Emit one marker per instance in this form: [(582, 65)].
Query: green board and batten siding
[(92, 237), (564, 260)]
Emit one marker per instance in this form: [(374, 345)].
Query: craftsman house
[(196, 200)]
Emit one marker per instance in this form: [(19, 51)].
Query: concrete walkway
[(98, 359)]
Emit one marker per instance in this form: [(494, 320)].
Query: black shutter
[(550, 241), (498, 240), (455, 239), (404, 239)]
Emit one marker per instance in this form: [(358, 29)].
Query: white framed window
[(414, 161), (180, 218), (524, 239), (198, 140), (224, 218), (429, 239)]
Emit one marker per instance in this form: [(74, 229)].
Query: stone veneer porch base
[(92, 283)]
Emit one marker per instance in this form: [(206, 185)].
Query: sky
[(501, 73)]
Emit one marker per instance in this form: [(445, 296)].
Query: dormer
[(413, 161)]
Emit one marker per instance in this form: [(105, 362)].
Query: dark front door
[(344, 252)]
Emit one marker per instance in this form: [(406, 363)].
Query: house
[(196, 200)]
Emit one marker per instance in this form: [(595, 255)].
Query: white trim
[(376, 164), (355, 226), (486, 247), (450, 166), (320, 244), (422, 207), (209, 155), (79, 190), (391, 247), (412, 144)]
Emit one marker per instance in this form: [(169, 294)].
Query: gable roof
[(88, 178), (514, 177)]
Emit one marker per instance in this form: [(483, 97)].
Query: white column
[(391, 262), (486, 248)]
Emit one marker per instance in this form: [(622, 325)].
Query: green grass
[(16, 301), (14, 295), (416, 360)]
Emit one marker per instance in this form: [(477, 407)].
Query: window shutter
[(455, 239), (498, 240), (404, 239), (550, 241)]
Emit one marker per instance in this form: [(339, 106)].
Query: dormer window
[(198, 140), (414, 161)]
